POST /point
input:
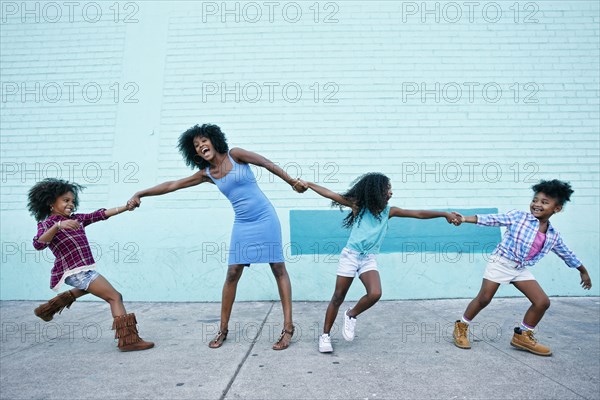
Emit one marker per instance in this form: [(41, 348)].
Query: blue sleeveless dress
[(256, 234)]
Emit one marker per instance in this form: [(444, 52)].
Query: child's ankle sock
[(525, 327), (465, 320)]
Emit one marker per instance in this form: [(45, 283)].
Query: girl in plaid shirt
[(53, 202), (528, 238)]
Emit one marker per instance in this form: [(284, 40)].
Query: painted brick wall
[(462, 106)]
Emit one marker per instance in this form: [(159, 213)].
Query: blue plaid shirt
[(521, 228)]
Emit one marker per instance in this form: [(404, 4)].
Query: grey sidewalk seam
[(241, 364)]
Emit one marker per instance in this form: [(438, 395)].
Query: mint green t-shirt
[(367, 235)]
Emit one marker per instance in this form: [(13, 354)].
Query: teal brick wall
[(463, 107)]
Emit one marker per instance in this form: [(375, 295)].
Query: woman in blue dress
[(256, 235)]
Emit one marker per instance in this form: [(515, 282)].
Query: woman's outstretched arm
[(249, 157), (168, 187)]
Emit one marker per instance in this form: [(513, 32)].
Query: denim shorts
[(352, 263), (82, 280)]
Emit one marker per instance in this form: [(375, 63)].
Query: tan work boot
[(127, 333), (524, 340), (460, 335)]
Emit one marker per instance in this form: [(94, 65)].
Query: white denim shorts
[(502, 270), (352, 263)]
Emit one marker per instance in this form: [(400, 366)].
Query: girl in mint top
[(367, 236), (368, 220)]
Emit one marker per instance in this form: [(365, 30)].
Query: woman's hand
[(134, 202), (299, 186)]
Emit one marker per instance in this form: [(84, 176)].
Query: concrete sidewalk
[(403, 349)]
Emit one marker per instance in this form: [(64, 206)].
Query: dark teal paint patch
[(321, 232)]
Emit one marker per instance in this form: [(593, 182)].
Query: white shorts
[(352, 263), (502, 270)]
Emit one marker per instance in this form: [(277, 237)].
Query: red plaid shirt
[(69, 246)]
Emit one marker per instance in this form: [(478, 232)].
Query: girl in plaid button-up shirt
[(53, 202)]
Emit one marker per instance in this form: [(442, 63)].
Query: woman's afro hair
[(186, 144)]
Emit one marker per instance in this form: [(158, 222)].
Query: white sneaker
[(349, 325), (325, 343)]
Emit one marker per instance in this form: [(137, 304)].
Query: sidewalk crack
[(241, 364)]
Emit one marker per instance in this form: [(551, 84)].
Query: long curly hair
[(559, 190), (368, 192), (44, 193), (186, 144)]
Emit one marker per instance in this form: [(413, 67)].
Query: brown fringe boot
[(55, 305), (127, 333)]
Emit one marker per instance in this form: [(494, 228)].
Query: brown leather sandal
[(280, 345), (219, 339)]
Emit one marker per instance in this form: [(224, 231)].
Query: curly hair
[(558, 190), (368, 192), (186, 144), (43, 194)]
